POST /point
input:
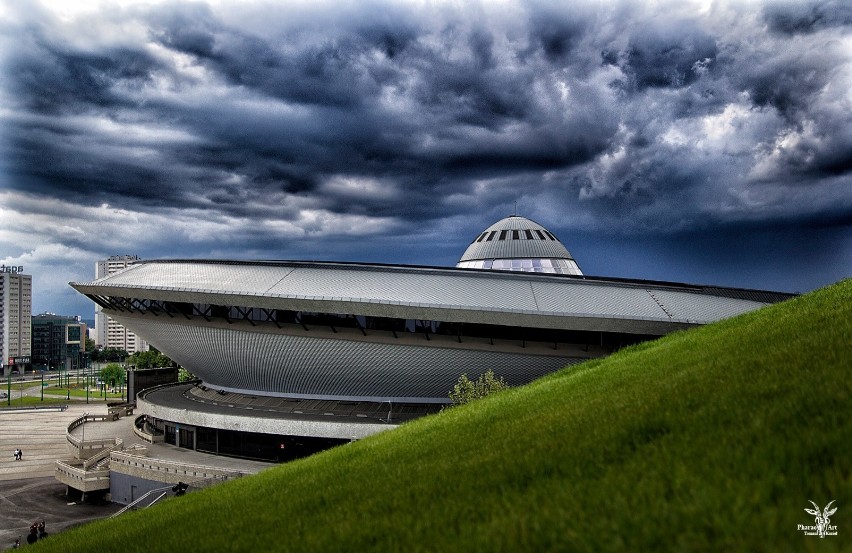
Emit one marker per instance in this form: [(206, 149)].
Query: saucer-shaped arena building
[(340, 350)]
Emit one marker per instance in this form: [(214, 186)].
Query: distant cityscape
[(50, 341)]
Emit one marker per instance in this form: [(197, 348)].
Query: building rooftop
[(447, 294)]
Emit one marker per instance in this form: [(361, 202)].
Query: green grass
[(94, 393), (57, 399), (708, 440), (52, 393), (28, 401)]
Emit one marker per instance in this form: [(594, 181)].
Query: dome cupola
[(518, 244)]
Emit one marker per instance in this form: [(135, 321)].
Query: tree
[(467, 390), (149, 359), (90, 345), (109, 354), (184, 375), (112, 374)]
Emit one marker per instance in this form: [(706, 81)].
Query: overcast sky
[(699, 142)]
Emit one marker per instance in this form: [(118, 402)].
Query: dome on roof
[(518, 244)]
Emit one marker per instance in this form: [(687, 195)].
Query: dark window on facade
[(482, 236), (529, 234), (550, 235), (502, 235), (540, 235), (270, 447), (169, 437), (180, 307), (515, 235), (491, 236), (187, 438), (206, 440)]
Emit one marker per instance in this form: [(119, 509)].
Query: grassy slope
[(712, 439)]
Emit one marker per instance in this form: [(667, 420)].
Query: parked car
[(3, 395)]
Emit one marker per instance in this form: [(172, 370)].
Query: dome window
[(524, 245)]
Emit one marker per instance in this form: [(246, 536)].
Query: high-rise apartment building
[(111, 334), (16, 291), (58, 342)]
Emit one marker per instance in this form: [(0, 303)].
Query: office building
[(110, 333), (15, 318), (58, 342)]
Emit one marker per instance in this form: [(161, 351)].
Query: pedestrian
[(17, 543), (42, 533), (33, 535), (20, 454)]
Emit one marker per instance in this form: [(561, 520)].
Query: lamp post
[(83, 440)]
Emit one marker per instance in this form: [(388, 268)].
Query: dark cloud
[(788, 83), (672, 55), (558, 32), (298, 130), (792, 18)]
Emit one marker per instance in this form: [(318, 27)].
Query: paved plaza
[(28, 490)]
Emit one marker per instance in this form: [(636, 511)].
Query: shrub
[(467, 390)]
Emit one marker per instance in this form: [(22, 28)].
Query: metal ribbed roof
[(459, 295), (515, 237)]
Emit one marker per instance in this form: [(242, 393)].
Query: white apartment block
[(111, 334), (16, 292)]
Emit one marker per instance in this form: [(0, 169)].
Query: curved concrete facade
[(322, 365), (165, 404)]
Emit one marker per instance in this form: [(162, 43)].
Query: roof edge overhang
[(707, 289), (504, 317)]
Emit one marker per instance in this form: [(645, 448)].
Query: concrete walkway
[(40, 434), (123, 428), (28, 490), (42, 499)]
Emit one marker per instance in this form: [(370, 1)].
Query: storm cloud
[(388, 131)]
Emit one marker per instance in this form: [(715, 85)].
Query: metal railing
[(195, 485), (133, 504)]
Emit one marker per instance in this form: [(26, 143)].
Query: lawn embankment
[(713, 439)]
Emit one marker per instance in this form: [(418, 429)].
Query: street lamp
[(83, 440)]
